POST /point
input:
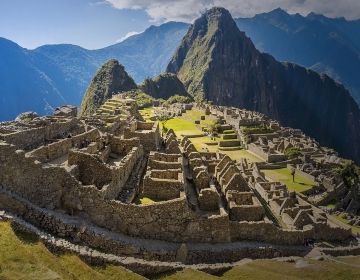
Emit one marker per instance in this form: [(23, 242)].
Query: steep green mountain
[(217, 62), (110, 79), (326, 45), (163, 86)]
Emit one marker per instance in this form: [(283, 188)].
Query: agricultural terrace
[(284, 176), (195, 123)]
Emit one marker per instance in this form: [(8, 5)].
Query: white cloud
[(188, 10), (127, 35)]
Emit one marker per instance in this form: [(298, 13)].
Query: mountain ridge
[(63, 72), (219, 63)]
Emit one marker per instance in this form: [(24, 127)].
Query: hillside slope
[(326, 45), (22, 256), (110, 79), (217, 62)]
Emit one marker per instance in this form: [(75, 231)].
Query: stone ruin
[(80, 179)]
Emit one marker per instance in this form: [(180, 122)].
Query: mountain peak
[(217, 62), (109, 80), (278, 11), (218, 15)]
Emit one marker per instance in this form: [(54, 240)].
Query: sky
[(98, 23)]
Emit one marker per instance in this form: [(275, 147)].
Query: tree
[(164, 118), (349, 173), (293, 171), (213, 128), (292, 152)]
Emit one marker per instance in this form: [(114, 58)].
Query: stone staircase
[(229, 141)]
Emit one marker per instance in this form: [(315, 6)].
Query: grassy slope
[(284, 175), (266, 270), (22, 257)]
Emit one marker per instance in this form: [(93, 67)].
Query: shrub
[(349, 172), (292, 152), (178, 99), (261, 129)]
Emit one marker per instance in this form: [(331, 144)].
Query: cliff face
[(110, 79), (164, 86), (217, 62)]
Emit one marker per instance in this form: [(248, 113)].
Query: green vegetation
[(183, 127), (178, 99), (284, 176), (350, 173), (110, 79), (342, 219), (339, 269), (164, 86), (147, 113), (143, 200), (22, 256), (261, 129), (292, 152)]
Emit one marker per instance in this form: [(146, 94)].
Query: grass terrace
[(284, 176), (341, 219), (185, 125), (22, 256), (336, 269), (147, 113)]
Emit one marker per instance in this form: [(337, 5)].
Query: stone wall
[(28, 178), (170, 220), (62, 147), (163, 184), (148, 133), (35, 137)]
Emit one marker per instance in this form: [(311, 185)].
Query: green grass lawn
[(147, 113), (143, 200), (284, 176), (182, 127), (268, 269), (354, 229), (23, 257)]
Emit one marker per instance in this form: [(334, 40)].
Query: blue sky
[(98, 23), (88, 23)]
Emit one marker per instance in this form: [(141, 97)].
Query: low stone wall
[(170, 220), (268, 232), (35, 137), (62, 147), (155, 164), (91, 170), (123, 146), (150, 139), (163, 184)]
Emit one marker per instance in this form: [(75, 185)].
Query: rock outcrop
[(110, 79), (164, 86), (217, 62)]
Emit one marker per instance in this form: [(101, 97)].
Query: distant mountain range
[(52, 75), (326, 45)]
